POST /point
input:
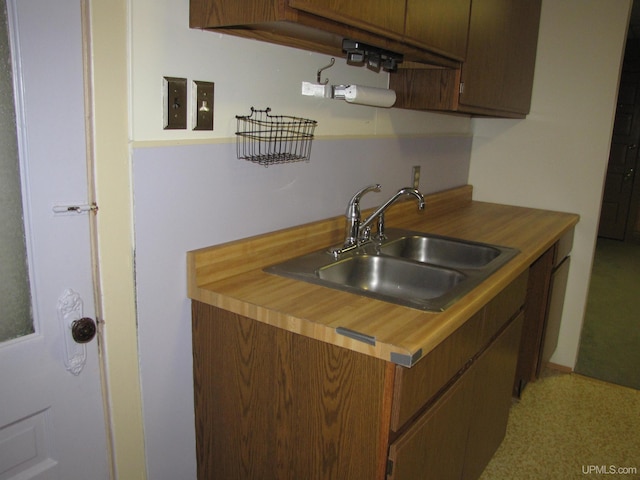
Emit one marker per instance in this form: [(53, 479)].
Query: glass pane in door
[(16, 318)]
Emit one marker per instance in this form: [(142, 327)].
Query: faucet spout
[(379, 213)]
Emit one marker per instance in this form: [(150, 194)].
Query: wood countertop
[(230, 276)]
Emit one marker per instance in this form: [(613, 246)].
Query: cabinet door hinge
[(461, 88), (389, 467)]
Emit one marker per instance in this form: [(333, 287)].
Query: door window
[(16, 317)]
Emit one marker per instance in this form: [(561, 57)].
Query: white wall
[(190, 191), (557, 157)]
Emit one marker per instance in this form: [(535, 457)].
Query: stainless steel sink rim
[(312, 268)]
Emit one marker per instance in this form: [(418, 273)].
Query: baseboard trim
[(558, 368)]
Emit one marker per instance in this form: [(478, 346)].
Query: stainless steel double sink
[(413, 269)]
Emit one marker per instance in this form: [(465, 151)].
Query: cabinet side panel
[(532, 329), (272, 404), (557, 291), (233, 404)]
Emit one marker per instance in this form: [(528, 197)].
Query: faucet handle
[(353, 208)]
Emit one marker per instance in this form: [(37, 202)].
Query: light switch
[(175, 103), (202, 105)]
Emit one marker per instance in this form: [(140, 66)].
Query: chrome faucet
[(379, 213), (357, 231)]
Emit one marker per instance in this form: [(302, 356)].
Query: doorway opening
[(610, 339)]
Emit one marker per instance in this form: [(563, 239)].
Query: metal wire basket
[(272, 139)]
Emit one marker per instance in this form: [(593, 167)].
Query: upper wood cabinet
[(434, 25), (503, 39), (382, 16), (474, 57), (321, 25), (496, 77), (438, 25)]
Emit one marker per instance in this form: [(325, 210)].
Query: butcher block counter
[(230, 276)]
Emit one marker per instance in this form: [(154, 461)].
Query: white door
[(52, 423)]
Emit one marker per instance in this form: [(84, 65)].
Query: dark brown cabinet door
[(434, 446), (501, 52), (440, 26), (493, 378), (621, 170)]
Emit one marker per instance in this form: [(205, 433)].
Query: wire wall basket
[(272, 139)]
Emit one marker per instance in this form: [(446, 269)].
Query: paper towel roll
[(375, 97)]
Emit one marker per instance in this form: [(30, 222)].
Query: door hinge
[(71, 209)]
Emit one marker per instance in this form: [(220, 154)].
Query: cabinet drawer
[(502, 308), (415, 386)]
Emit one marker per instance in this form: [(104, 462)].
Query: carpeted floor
[(569, 426), (610, 341)]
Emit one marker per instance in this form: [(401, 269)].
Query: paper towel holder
[(361, 95)]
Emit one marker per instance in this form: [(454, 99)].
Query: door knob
[(632, 146), (83, 330), (628, 175)]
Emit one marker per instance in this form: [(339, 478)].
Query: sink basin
[(417, 270), (441, 251), (391, 277)]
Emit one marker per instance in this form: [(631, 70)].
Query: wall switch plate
[(175, 103), (415, 176), (202, 105)]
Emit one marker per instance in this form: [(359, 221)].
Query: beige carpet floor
[(569, 426)]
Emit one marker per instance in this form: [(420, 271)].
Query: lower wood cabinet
[(548, 277), (458, 435), (270, 404)]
